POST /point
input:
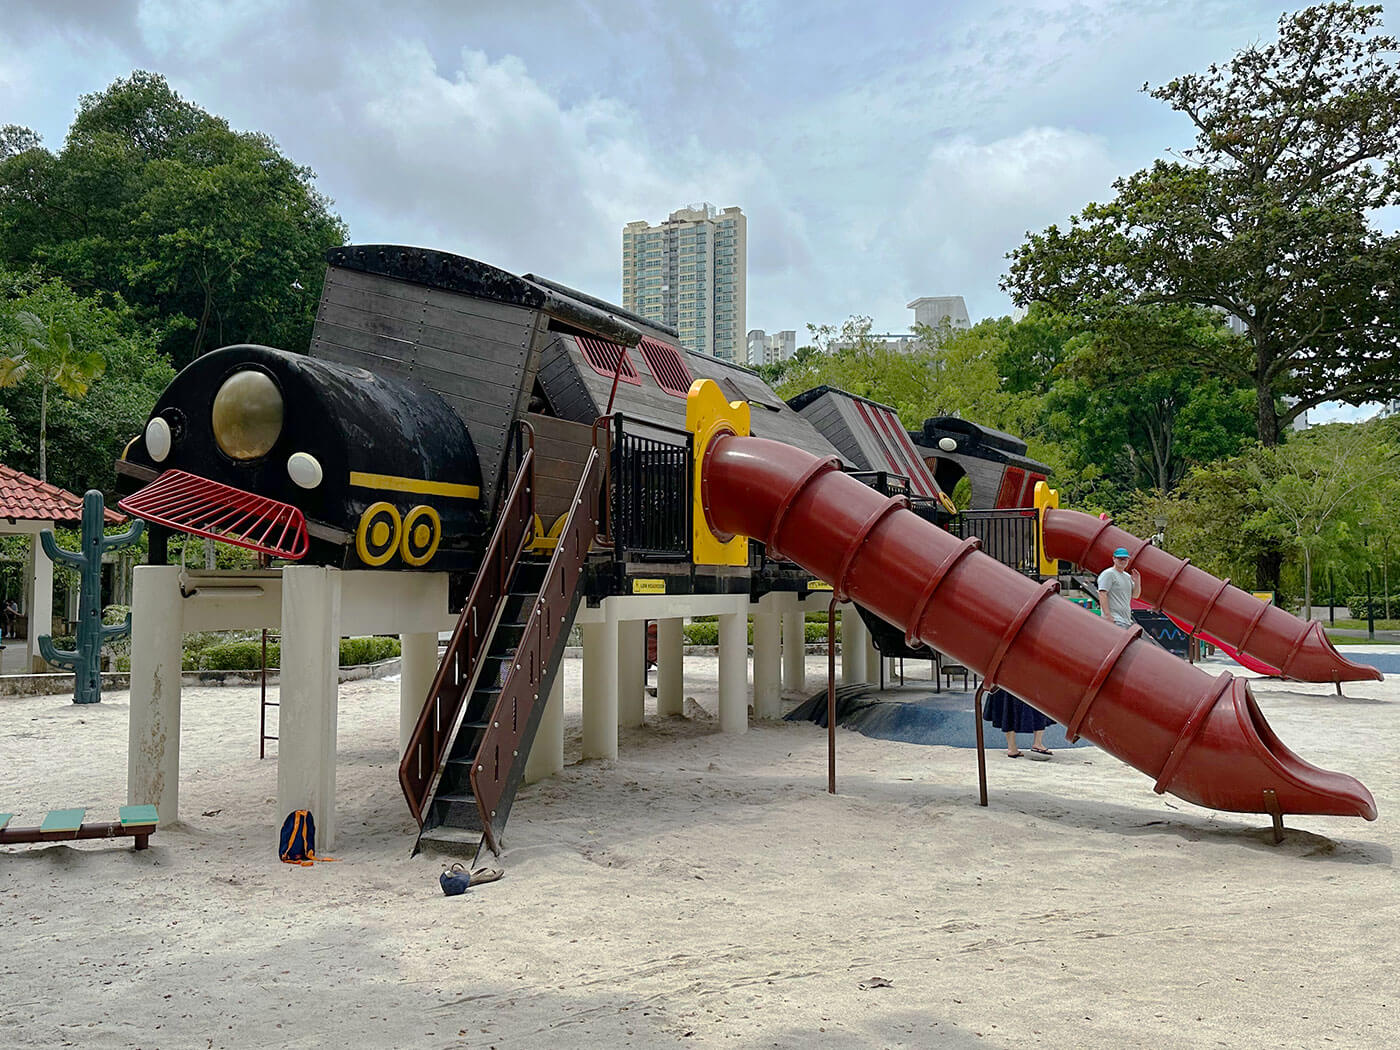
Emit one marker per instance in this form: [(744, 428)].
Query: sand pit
[(702, 891)]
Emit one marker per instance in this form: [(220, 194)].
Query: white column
[(767, 659), (310, 683), (794, 651), (41, 602), (417, 668), (631, 672), (670, 666), (872, 658), (600, 688), (733, 673), (153, 727), (547, 752), (853, 646)]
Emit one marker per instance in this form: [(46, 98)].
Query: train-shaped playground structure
[(460, 445)]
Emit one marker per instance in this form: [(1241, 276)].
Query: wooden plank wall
[(561, 448), (478, 355)]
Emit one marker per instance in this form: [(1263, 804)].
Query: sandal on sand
[(1042, 751), (1041, 754), (484, 875), (1014, 754)]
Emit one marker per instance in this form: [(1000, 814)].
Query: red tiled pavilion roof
[(23, 498)]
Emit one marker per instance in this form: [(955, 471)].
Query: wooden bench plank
[(131, 816), (62, 820)]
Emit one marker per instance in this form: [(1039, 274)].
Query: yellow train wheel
[(377, 536), (422, 532)]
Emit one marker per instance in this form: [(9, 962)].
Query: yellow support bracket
[(1045, 499), (707, 416)]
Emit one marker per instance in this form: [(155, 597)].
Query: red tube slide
[(1203, 604), (1203, 739)]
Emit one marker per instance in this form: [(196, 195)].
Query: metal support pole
[(831, 695), (1332, 601), (1370, 608), (981, 746)]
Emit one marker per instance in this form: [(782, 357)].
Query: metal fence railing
[(650, 487), (1009, 536)]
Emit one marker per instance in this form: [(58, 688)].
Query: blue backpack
[(298, 844)]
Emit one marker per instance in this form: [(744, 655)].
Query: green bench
[(63, 824)]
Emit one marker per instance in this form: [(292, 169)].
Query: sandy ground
[(702, 891)]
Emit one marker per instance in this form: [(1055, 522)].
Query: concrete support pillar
[(547, 752), (600, 688), (767, 659), (872, 658), (853, 646), (670, 667), (40, 604), (733, 673), (418, 667), (794, 651), (310, 683), (153, 727), (631, 673)]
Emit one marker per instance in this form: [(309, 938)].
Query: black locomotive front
[(308, 460)]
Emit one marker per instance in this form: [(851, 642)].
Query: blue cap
[(1121, 552)]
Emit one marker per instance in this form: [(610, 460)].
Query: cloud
[(975, 201)]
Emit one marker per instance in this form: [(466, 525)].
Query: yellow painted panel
[(708, 415), (1045, 499), (419, 486)]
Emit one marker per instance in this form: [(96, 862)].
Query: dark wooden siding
[(475, 353), (561, 448)]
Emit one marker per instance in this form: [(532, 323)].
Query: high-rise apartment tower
[(690, 272)]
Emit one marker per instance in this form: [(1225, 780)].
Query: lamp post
[(1159, 539)]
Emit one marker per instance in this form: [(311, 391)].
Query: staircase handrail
[(456, 676), (515, 715)]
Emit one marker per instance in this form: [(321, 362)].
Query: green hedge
[(247, 655), (706, 632), (1357, 604)]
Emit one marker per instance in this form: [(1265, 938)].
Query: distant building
[(765, 349), (690, 273), (936, 311)]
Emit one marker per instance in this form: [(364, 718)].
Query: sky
[(881, 151)]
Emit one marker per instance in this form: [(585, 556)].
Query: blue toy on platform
[(85, 661)]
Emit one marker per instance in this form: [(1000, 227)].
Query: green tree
[(42, 349), (211, 235), (84, 436), (1267, 217)]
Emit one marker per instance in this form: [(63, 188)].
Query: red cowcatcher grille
[(202, 507)]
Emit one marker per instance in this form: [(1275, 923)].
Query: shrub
[(703, 633), (356, 651), (816, 632), (1357, 604), (239, 656)]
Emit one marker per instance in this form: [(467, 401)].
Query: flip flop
[(1018, 754), (485, 875), (1042, 751)]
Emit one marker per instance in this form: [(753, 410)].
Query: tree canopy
[(210, 235), (1267, 218)]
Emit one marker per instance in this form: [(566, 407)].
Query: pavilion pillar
[(39, 605), (794, 650)]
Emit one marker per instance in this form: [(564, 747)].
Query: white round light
[(947, 444), (158, 439), (303, 468)]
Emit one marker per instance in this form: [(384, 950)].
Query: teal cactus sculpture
[(86, 661)]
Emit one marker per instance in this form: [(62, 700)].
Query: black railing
[(650, 486), (1009, 536), (884, 482)]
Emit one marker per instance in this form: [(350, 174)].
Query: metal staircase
[(467, 755)]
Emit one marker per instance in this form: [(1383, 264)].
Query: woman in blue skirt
[(1013, 715)]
